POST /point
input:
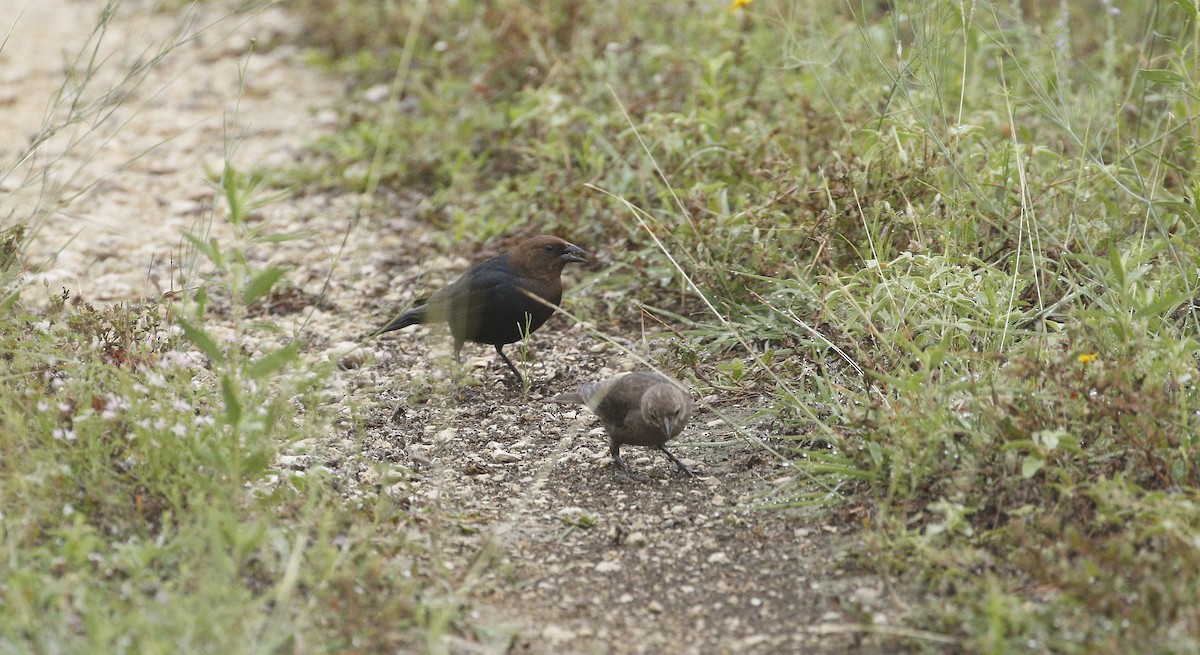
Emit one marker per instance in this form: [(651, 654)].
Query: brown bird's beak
[(667, 425), (573, 253)]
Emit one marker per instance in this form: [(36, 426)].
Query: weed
[(956, 241)]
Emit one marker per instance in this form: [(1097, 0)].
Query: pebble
[(295, 462), (718, 558), (349, 355), (557, 634), (501, 456), (570, 512), (377, 94), (183, 207), (608, 566)]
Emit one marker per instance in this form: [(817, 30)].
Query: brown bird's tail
[(582, 397), (411, 317)]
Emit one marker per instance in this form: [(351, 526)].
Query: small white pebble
[(501, 456)]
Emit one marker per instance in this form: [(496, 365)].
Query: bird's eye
[(549, 247)]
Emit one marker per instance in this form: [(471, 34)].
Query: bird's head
[(547, 254), (667, 406)]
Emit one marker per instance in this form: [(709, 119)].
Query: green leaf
[(876, 452), (273, 361), (1032, 464), (282, 238), (207, 248), (1117, 264), (1177, 207), (6, 305), (201, 340), (1163, 76), (262, 283), (1168, 301), (233, 406), (201, 302), (233, 194), (255, 463)]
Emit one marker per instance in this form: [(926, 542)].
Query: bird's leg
[(682, 468), (459, 373), (520, 380), (614, 449)]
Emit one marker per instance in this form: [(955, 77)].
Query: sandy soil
[(586, 561)]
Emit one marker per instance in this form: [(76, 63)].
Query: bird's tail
[(581, 397), (411, 317)]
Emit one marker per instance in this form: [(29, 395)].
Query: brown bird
[(640, 408), (494, 302)]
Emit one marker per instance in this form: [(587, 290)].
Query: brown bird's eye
[(549, 247)]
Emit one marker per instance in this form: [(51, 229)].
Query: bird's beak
[(667, 425), (573, 253)]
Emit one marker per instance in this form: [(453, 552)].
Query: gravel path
[(580, 560)]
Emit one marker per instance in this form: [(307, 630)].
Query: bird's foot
[(631, 476), (683, 471), (624, 471)]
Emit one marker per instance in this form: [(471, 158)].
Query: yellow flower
[(1087, 358), (738, 4)]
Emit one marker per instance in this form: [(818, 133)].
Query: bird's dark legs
[(614, 449), (520, 380), (682, 469)]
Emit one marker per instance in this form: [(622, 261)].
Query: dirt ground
[(580, 560)]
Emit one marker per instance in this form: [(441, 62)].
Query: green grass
[(957, 239), (141, 506), (142, 511)]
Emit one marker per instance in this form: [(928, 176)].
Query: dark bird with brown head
[(642, 408), (496, 302)]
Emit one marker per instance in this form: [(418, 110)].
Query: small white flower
[(64, 435)]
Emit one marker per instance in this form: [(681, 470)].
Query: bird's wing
[(616, 399), (456, 301)]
